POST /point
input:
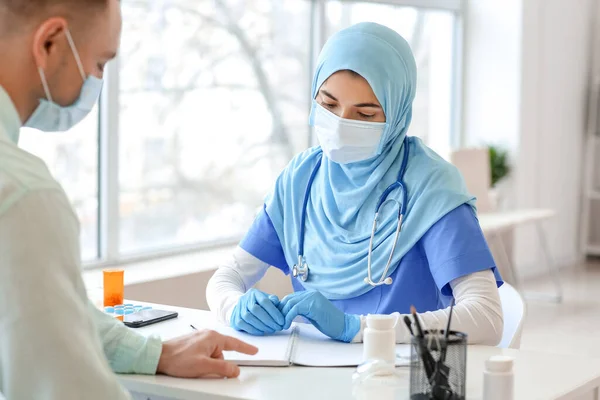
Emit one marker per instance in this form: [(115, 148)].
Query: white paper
[(272, 349), (313, 349)]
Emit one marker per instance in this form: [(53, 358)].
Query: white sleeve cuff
[(233, 278)]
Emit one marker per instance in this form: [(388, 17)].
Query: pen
[(442, 389), (449, 318), (413, 311), (447, 333), (408, 325), (428, 361)]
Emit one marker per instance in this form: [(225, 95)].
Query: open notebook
[(304, 345)]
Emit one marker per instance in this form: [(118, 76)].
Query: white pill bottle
[(379, 338), (498, 378)]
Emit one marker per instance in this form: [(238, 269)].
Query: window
[(208, 101), (214, 103)]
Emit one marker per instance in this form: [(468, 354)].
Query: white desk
[(495, 223), (537, 375)]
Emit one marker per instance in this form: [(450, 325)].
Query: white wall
[(491, 73), (526, 77), (555, 75)]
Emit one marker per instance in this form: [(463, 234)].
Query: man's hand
[(200, 354)]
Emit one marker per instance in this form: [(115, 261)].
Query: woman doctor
[(317, 222)]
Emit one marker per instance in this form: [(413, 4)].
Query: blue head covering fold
[(343, 197)]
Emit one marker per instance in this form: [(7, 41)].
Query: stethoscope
[(301, 268)]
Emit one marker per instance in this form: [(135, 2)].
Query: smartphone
[(147, 317)]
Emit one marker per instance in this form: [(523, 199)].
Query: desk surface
[(537, 375), (500, 221)]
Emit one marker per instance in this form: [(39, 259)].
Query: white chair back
[(474, 165), (513, 308)]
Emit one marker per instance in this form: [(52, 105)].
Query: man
[(53, 343)]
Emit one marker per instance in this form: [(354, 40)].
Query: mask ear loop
[(45, 84), (77, 61), (75, 53)]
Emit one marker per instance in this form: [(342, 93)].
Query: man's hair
[(13, 13)]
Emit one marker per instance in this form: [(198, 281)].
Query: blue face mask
[(51, 117)]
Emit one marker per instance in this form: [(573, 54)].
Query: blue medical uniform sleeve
[(455, 247), (263, 243)]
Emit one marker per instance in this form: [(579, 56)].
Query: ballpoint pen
[(428, 361), (447, 333), (441, 388), (408, 324)]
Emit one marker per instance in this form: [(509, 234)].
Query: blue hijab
[(343, 198)]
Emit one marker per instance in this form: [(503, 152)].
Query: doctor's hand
[(257, 314), (200, 355), (321, 313)]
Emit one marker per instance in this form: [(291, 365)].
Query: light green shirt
[(54, 344)]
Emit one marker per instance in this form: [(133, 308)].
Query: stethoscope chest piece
[(300, 270)]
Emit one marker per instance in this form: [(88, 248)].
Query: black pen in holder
[(431, 376)]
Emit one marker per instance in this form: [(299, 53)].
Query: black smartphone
[(147, 317)]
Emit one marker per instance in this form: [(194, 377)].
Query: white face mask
[(345, 141), (51, 117)]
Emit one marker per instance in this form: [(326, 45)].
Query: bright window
[(213, 105)]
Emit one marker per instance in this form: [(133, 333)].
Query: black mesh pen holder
[(438, 368)]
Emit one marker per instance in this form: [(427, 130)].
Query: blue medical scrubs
[(451, 248)]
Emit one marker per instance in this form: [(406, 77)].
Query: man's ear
[(47, 40)]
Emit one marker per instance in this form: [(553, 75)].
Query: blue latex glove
[(321, 313), (257, 314)]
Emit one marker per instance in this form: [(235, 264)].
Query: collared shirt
[(54, 344)]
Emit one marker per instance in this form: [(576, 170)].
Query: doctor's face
[(348, 95)]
